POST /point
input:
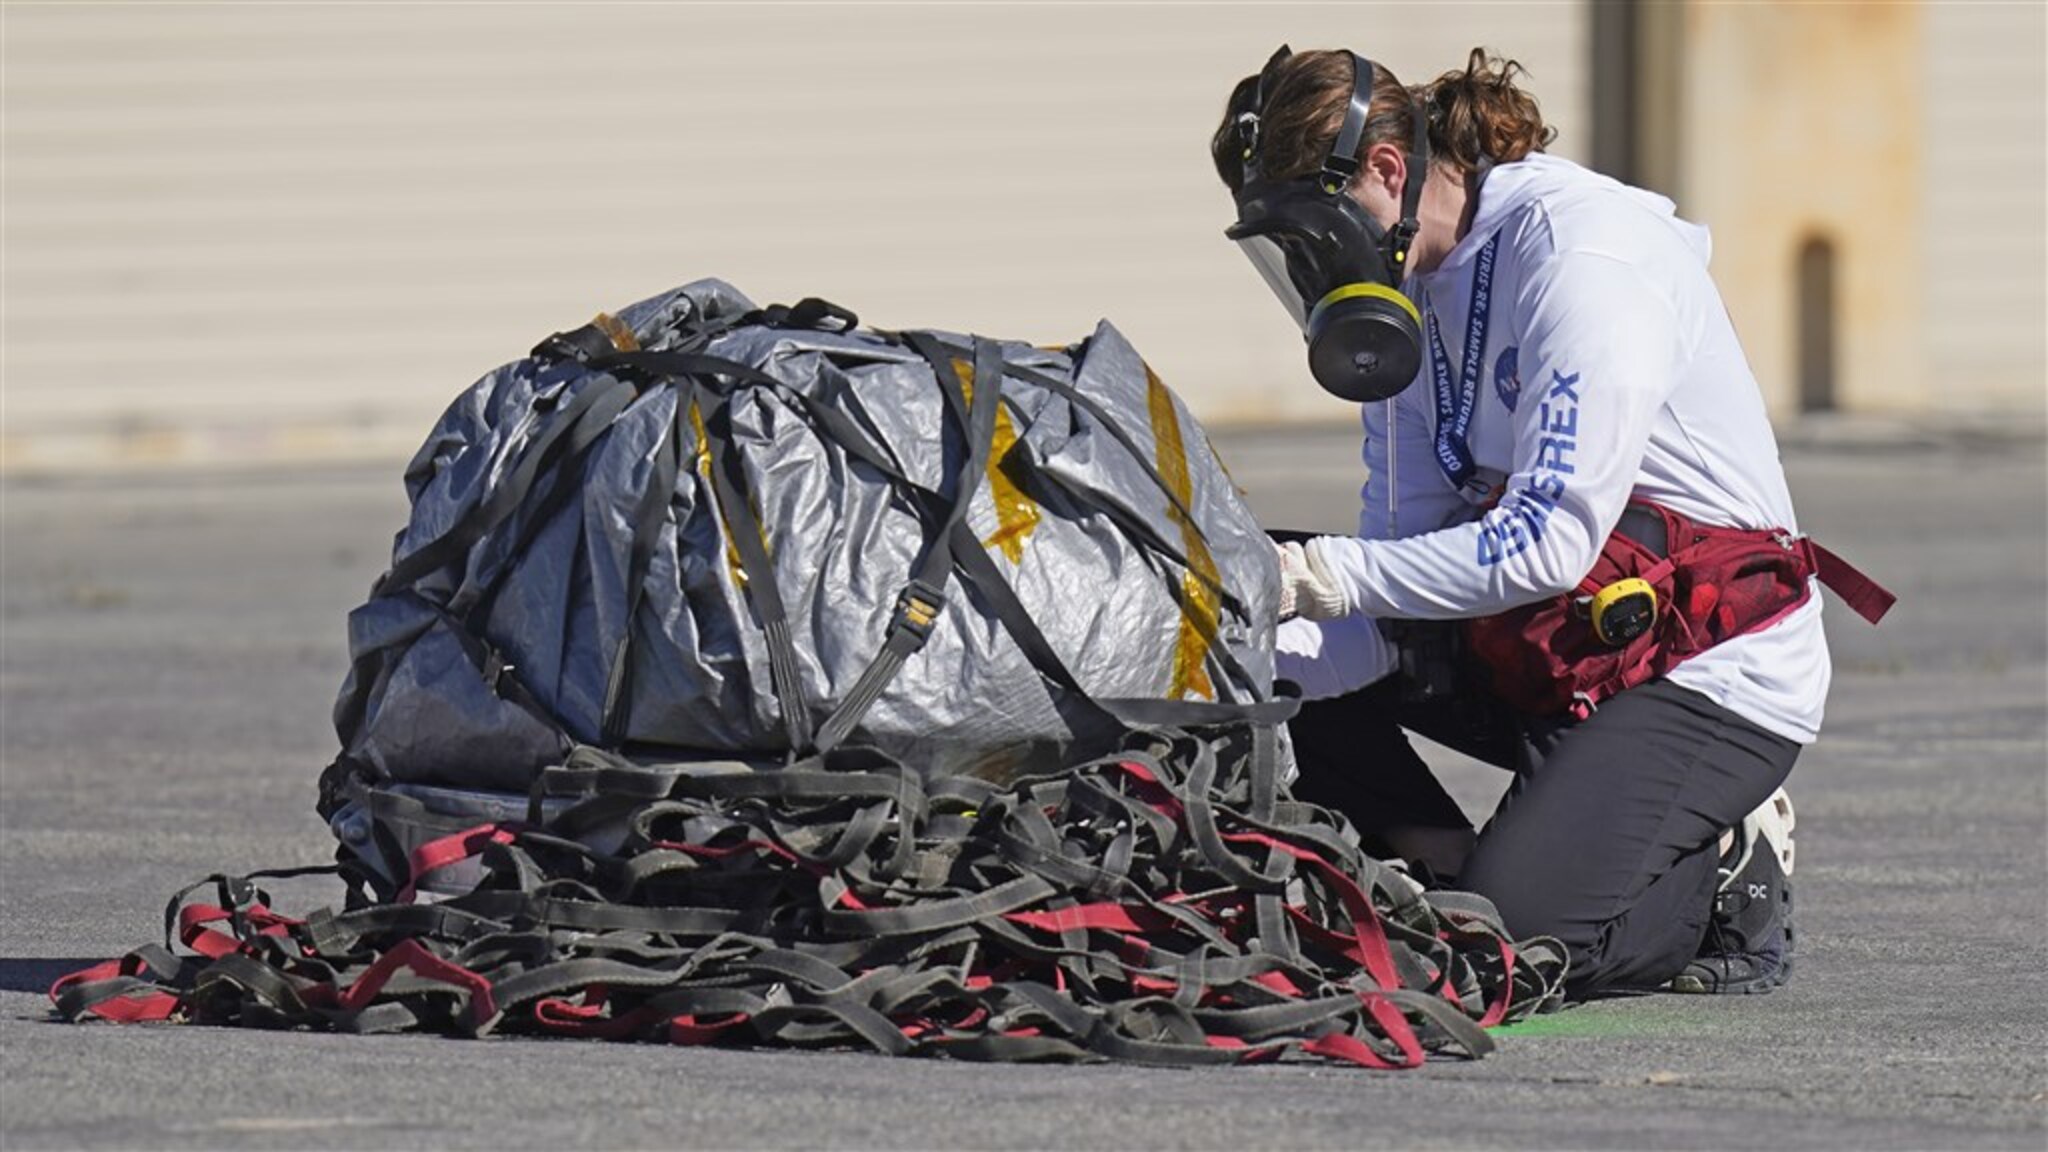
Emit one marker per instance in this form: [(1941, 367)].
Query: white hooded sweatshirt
[(1609, 370)]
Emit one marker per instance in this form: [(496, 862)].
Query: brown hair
[(1476, 116)]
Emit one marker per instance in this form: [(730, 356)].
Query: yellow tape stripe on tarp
[(1200, 605), (1016, 513), (732, 553)]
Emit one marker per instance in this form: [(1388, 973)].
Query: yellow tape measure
[(1623, 611)]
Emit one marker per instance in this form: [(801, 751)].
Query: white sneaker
[(1750, 937), (1772, 823)]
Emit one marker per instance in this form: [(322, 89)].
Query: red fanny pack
[(1711, 584)]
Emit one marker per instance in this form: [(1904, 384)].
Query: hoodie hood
[(1510, 189)]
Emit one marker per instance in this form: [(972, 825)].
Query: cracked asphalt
[(170, 645)]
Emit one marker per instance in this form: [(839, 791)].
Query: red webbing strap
[(126, 999), (1866, 597), (194, 933), (147, 1008), (1113, 917), (105, 970), (1278, 982), (1497, 1011), (410, 954), (1152, 792), (1043, 961), (709, 852), (1344, 1046), (142, 1008), (1373, 950), (689, 1030), (571, 1019), (452, 848)]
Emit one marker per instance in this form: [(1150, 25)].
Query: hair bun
[(1479, 116)]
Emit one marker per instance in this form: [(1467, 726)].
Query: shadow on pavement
[(37, 973)]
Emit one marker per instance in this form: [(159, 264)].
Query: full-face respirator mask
[(1337, 272)]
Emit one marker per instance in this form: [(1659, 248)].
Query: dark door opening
[(1816, 325)]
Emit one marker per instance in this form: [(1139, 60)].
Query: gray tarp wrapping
[(485, 669)]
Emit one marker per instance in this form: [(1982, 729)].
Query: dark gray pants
[(1607, 837)]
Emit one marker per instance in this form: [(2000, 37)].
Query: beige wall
[(1914, 139), (297, 229), (1796, 124), (1984, 244), (292, 229)]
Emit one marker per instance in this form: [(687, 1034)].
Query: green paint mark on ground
[(1576, 1022)]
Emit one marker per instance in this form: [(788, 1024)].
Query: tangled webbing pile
[(1169, 904)]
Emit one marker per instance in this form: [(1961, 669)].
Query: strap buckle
[(580, 345), (918, 609), (807, 314)]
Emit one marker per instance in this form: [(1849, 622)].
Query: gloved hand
[(1306, 587)]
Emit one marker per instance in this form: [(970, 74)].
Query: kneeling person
[(1581, 400)]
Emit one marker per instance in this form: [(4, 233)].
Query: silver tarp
[(490, 665)]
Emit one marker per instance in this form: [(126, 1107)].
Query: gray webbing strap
[(1163, 905), (923, 599)]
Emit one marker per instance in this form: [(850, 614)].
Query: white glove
[(1306, 588)]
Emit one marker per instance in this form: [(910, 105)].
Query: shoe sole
[(1694, 986)]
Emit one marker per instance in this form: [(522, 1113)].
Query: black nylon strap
[(1000, 600), (147, 969), (806, 953), (707, 370), (578, 344), (1142, 530), (743, 529), (555, 453), (573, 426), (923, 599), (648, 518)]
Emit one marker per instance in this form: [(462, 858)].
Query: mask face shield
[(1270, 260), (1324, 259), (1306, 244)]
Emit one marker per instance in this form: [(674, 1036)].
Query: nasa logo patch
[(1507, 381)]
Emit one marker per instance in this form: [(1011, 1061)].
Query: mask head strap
[(1247, 119), (1402, 234), (1341, 165)]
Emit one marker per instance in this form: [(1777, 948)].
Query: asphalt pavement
[(170, 645)]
